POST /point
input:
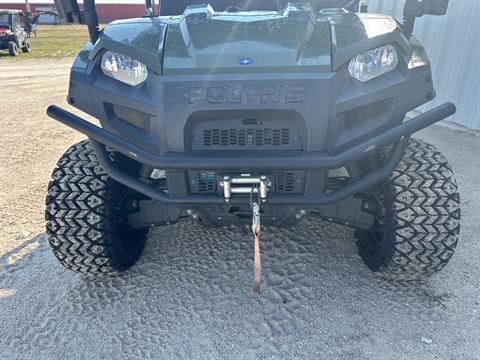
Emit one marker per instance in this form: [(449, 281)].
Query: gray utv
[(208, 111), (12, 33)]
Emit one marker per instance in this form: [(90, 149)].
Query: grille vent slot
[(203, 182), (289, 182), (246, 137), (285, 181), (239, 134)]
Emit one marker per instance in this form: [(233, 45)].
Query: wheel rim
[(374, 241), (129, 238)]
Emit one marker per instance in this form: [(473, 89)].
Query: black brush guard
[(399, 136)]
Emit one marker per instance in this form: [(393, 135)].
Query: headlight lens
[(123, 68), (373, 63)]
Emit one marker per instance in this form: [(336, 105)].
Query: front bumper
[(231, 161)]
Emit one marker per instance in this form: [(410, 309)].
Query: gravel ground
[(30, 143), (190, 295)]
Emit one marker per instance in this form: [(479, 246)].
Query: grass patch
[(53, 42)]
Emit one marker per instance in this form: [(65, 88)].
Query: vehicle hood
[(297, 39)]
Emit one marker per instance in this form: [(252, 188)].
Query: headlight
[(373, 63), (123, 68)]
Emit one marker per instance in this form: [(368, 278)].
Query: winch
[(245, 185)]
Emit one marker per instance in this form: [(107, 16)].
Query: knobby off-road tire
[(86, 216), (26, 48), (419, 220), (12, 48)]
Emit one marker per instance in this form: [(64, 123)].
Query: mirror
[(417, 8)]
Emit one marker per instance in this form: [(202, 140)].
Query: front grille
[(246, 137), (245, 134)]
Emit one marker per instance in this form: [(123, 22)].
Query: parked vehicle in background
[(13, 36)]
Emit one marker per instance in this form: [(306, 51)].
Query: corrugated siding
[(453, 45)]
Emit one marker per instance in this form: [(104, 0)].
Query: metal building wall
[(453, 45)]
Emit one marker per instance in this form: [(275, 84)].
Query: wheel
[(26, 48), (86, 214), (417, 218), (12, 48)]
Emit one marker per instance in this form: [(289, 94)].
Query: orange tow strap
[(257, 264)]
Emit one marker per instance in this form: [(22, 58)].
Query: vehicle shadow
[(4, 53), (190, 296)]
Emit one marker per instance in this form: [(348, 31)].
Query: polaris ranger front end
[(234, 110)]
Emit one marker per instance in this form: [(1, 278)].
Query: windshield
[(4, 19), (177, 7)]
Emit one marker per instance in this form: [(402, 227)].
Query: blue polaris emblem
[(245, 61)]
